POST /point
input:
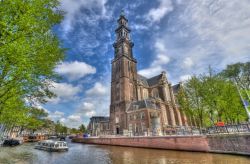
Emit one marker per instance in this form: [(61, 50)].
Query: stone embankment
[(228, 143)]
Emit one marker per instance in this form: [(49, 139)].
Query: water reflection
[(125, 155), (94, 154)]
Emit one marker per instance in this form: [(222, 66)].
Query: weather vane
[(122, 12)]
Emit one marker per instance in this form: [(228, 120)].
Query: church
[(139, 105)]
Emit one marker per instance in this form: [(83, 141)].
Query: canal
[(96, 154)]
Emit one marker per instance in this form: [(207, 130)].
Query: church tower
[(124, 75)]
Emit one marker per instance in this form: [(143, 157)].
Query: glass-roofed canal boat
[(50, 145)]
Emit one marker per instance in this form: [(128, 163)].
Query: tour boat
[(50, 145)]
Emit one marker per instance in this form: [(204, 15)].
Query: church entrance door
[(117, 130)]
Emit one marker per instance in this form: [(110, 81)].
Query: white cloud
[(75, 70), (188, 62), (73, 7), (98, 90), (87, 109), (151, 71), (161, 59), (57, 115), (64, 91), (139, 27), (74, 118), (203, 33), (96, 103), (185, 77), (222, 25), (156, 14), (73, 121)]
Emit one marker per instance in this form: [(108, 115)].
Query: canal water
[(96, 154)]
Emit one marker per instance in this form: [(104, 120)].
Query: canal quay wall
[(228, 143)]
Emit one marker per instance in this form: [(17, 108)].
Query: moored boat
[(50, 145), (11, 142)]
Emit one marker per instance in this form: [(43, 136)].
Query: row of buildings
[(139, 105)]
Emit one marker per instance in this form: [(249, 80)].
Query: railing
[(239, 128), (191, 130), (226, 129)]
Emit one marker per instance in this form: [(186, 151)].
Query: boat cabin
[(50, 145)]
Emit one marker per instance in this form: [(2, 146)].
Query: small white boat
[(50, 145)]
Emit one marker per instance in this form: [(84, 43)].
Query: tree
[(60, 129), (211, 98), (36, 119), (194, 93), (29, 52), (82, 128), (239, 74)]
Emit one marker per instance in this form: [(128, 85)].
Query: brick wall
[(230, 143), (189, 143)]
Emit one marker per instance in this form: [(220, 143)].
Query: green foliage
[(210, 98), (239, 73), (36, 119), (29, 52), (82, 128), (60, 129)]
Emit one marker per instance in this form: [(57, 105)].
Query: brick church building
[(139, 105)]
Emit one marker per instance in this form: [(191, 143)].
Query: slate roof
[(151, 81), (154, 80), (146, 103), (99, 119), (176, 88), (142, 79)]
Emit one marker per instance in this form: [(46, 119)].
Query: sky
[(177, 36)]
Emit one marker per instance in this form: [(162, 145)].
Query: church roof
[(146, 103), (142, 79), (154, 80), (176, 88), (151, 81), (99, 119)]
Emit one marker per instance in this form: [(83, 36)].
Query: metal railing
[(226, 129)]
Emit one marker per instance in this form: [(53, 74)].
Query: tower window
[(128, 66)]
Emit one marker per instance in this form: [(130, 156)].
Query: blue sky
[(179, 36)]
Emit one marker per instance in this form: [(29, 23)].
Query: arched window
[(142, 115), (145, 93), (131, 92), (155, 93)]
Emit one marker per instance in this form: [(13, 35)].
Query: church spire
[(123, 44), (122, 30)]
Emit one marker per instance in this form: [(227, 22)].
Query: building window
[(142, 115), (143, 127), (130, 127), (117, 92), (134, 116), (145, 93), (131, 91), (155, 93), (116, 119), (128, 66), (130, 117)]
